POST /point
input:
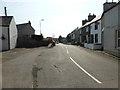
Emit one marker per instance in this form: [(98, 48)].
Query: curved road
[(63, 66)]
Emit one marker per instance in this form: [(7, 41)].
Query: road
[(63, 66)]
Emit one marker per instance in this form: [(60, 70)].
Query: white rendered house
[(8, 33)]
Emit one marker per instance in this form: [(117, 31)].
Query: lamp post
[(40, 25)]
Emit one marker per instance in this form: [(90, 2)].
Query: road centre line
[(67, 50), (86, 71)]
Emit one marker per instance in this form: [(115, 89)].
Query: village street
[(63, 66)]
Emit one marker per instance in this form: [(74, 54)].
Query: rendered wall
[(110, 28), (13, 34)]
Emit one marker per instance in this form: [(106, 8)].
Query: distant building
[(75, 36), (8, 33), (25, 32), (111, 28)]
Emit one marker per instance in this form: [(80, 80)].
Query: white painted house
[(94, 36), (8, 33), (111, 28)]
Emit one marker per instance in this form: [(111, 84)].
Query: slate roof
[(111, 8), (94, 20), (5, 20), (22, 26)]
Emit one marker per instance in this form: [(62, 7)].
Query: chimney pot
[(29, 22), (108, 5)]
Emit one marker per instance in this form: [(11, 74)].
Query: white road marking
[(67, 50), (86, 72)]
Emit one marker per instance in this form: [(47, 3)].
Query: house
[(90, 32), (82, 36), (111, 28), (25, 32), (94, 36), (75, 36), (85, 30), (8, 33)]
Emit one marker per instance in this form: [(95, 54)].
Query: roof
[(94, 20), (21, 26), (5, 20), (110, 8)]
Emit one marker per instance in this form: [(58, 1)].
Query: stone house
[(25, 32)]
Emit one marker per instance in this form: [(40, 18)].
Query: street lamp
[(40, 25)]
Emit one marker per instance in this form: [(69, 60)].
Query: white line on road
[(86, 72), (67, 50)]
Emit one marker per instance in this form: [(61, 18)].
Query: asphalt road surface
[(63, 66)]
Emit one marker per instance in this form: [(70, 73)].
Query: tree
[(60, 39), (41, 37), (68, 38)]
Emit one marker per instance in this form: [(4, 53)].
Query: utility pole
[(40, 25), (5, 11)]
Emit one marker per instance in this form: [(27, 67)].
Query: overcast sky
[(60, 16)]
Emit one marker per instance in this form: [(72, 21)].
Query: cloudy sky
[(60, 16)]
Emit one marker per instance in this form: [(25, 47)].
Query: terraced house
[(111, 28), (92, 30), (103, 31)]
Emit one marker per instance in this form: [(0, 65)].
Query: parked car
[(53, 43)]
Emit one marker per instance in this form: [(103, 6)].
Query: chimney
[(108, 5), (5, 11), (29, 22), (91, 17), (84, 21)]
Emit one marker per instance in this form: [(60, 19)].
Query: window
[(80, 31), (96, 38), (96, 25), (118, 38), (91, 26), (91, 39), (87, 29)]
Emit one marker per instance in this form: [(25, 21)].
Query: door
[(4, 45)]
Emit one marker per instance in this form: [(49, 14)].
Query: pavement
[(63, 66)]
